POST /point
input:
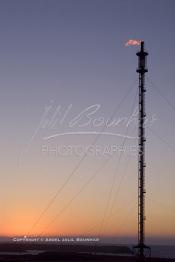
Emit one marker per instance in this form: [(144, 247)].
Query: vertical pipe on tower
[(141, 70)]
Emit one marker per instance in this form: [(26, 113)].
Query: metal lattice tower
[(141, 70)]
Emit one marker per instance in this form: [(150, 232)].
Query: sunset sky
[(65, 77)]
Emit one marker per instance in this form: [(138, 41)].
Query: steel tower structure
[(141, 70)]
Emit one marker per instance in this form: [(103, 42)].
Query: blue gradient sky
[(72, 52)]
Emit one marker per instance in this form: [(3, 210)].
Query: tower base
[(141, 251)]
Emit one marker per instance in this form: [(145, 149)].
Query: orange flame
[(132, 42)]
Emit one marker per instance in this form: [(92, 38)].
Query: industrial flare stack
[(141, 70)]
